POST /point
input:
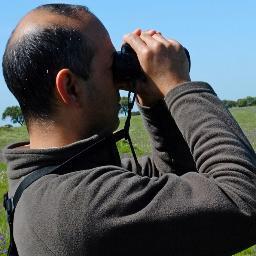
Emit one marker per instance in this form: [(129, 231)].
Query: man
[(196, 195)]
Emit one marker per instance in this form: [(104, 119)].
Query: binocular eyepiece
[(126, 66)]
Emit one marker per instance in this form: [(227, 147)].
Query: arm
[(212, 212), (209, 212), (112, 211), (168, 144), (170, 151)]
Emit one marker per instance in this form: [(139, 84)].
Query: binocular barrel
[(126, 66)]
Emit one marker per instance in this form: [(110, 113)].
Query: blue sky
[(220, 36)]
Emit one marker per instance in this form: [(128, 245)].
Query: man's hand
[(163, 61)]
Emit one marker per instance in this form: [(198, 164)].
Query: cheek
[(104, 91)]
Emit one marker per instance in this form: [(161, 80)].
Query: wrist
[(148, 101), (172, 85), (147, 97)]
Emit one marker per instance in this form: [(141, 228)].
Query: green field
[(246, 117), (12, 135)]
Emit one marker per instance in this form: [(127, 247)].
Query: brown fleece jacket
[(196, 195)]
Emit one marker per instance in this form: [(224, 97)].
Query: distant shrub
[(230, 103), (244, 102), (135, 113), (7, 126), (241, 102)]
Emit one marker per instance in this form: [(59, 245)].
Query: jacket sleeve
[(209, 212), (170, 152)]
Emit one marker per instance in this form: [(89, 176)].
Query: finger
[(137, 31), (150, 32), (175, 43), (168, 42), (148, 39), (160, 38), (135, 42)]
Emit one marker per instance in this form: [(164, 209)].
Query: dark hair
[(31, 63)]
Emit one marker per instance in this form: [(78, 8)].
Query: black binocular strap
[(37, 174), (124, 133), (10, 204)]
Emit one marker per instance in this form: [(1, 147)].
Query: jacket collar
[(22, 160)]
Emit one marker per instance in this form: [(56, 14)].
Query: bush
[(135, 113)]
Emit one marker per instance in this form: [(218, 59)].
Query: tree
[(135, 113), (124, 105), (230, 103), (15, 114), (251, 101), (241, 102)]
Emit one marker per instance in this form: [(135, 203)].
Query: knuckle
[(174, 44), (169, 45), (127, 36), (179, 47), (151, 32), (158, 46), (145, 52)]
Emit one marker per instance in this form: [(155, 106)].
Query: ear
[(67, 86)]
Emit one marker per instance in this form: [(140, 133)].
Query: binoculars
[(126, 66)]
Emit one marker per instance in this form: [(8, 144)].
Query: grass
[(140, 138), (12, 135), (4, 231), (246, 117), (249, 252)]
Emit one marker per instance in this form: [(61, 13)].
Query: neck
[(52, 134)]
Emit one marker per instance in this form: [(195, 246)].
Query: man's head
[(58, 54)]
